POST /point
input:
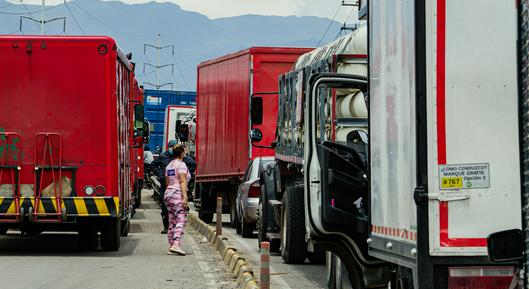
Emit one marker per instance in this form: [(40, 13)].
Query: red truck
[(65, 137), (227, 89)]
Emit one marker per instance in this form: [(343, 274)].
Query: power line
[(330, 25), (25, 8), (74, 18), (7, 5), (106, 25), (30, 14)]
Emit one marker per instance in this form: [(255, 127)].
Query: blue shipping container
[(156, 101)]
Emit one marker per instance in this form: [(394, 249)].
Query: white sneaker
[(177, 250)]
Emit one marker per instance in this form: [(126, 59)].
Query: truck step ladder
[(10, 167), (48, 163)]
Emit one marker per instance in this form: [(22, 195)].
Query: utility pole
[(43, 21), (158, 66), (346, 27)]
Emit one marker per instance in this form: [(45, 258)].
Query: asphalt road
[(52, 260), (282, 276)]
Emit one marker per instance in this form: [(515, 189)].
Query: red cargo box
[(224, 89), (65, 116)]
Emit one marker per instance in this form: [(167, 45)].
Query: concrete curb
[(236, 263)]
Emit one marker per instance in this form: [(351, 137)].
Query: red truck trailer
[(227, 88), (65, 136)]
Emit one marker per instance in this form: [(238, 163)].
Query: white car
[(248, 195)]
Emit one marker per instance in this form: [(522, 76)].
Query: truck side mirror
[(256, 135), (506, 246), (138, 117), (183, 133), (146, 131)]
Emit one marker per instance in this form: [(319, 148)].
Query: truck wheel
[(247, 229), (87, 231), (233, 212), (317, 257), (137, 196), (110, 234), (293, 245), (125, 227), (206, 217), (330, 268), (343, 281), (262, 226)]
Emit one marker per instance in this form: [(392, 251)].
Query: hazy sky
[(225, 8)]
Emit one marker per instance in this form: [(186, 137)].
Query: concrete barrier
[(237, 264)]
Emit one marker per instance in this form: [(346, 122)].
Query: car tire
[(238, 227), (206, 217), (293, 245), (111, 234)]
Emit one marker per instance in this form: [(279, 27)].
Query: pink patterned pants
[(177, 216)]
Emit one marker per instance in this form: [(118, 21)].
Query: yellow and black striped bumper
[(75, 206)]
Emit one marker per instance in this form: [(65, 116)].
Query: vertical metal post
[(265, 266), (42, 17), (219, 216), (158, 66)]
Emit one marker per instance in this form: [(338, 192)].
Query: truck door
[(473, 143), (336, 181)]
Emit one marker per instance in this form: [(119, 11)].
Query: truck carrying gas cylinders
[(226, 90), (71, 127), (282, 207)]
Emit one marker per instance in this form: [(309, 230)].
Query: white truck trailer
[(443, 173)]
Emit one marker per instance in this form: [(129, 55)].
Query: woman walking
[(175, 198)]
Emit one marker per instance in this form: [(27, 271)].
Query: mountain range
[(195, 37)]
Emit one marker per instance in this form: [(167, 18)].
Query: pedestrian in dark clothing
[(159, 165)]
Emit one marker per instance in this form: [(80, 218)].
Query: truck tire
[(293, 245), (3, 229), (125, 227), (233, 212), (110, 234), (262, 226), (317, 257), (87, 232), (137, 195), (247, 229), (330, 267), (206, 217)]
